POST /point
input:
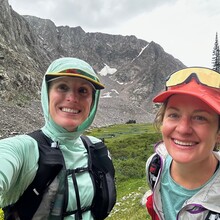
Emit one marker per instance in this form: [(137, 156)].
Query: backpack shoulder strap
[(103, 175), (99, 155), (153, 169), (50, 160), (89, 147)]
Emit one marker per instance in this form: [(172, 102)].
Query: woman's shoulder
[(19, 156), (22, 144), (160, 154)]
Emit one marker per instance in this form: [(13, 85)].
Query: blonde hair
[(158, 121)]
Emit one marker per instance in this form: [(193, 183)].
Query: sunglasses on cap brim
[(204, 76)]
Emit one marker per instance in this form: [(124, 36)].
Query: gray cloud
[(99, 13), (88, 13)]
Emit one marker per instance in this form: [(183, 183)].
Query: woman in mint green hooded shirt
[(70, 94)]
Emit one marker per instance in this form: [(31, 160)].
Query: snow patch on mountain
[(111, 94), (142, 49), (106, 95), (107, 70)]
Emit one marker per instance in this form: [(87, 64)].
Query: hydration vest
[(52, 165)]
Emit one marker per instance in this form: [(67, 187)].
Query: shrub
[(1, 215)]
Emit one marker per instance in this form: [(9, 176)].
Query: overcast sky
[(185, 29)]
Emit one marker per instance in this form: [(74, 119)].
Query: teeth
[(184, 143), (70, 110)]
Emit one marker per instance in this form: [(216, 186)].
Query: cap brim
[(208, 95), (96, 84)]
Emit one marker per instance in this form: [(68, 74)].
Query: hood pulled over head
[(72, 67)]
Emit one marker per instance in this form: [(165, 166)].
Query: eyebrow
[(172, 107), (195, 111)]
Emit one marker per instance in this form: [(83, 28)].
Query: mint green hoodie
[(19, 154)]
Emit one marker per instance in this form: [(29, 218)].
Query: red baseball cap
[(190, 82)]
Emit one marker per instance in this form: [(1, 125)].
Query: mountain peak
[(133, 70)]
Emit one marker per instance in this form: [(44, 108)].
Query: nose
[(184, 126), (72, 96)]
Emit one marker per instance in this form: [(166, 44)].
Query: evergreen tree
[(216, 55)]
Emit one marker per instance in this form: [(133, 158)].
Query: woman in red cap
[(187, 185)]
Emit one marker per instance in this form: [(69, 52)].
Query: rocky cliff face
[(132, 69)]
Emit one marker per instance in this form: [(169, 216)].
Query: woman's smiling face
[(189, 129), (70, 100)]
